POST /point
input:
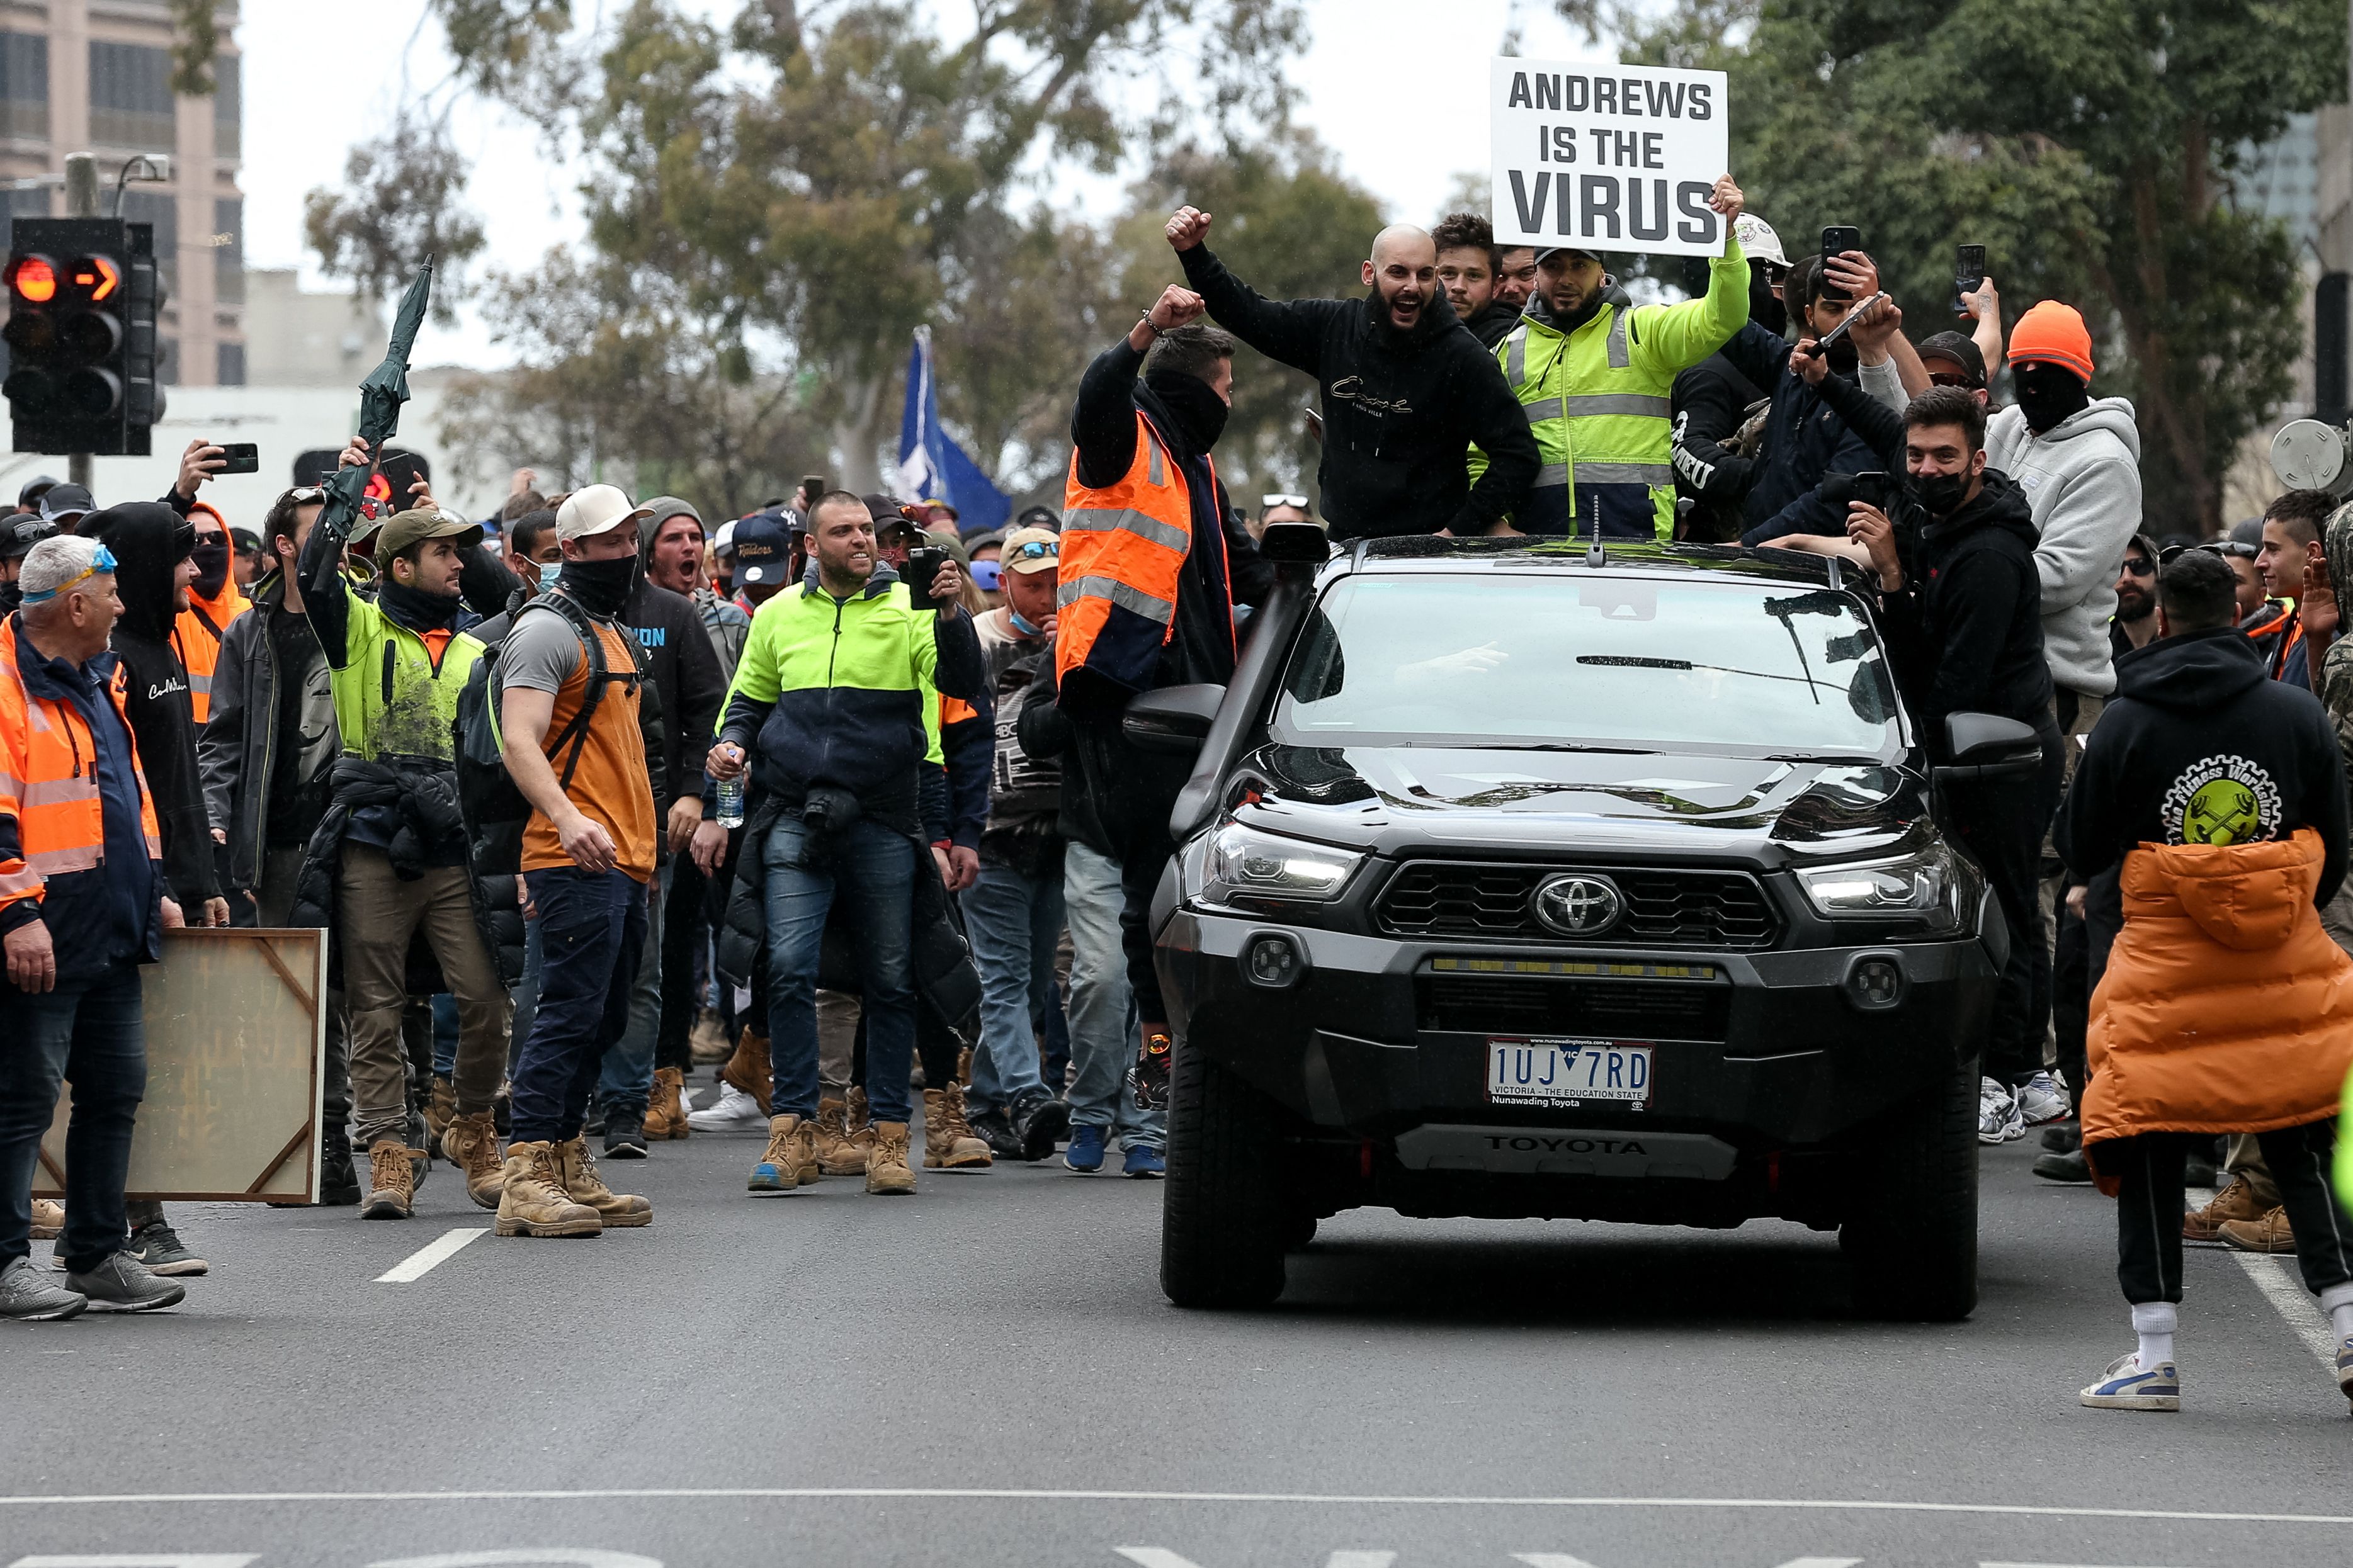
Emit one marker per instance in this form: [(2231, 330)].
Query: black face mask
[(11, 598), (211, 556), (2049, 394), (415, 608), (1200, 414), (1763, 309), (1942, 494), (599, 587)]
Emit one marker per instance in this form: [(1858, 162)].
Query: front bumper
[(1378, 1035)]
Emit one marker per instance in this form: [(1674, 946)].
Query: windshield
[(1589, 661)]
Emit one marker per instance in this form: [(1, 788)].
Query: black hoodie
[(2198, 747), (149, 541), (1400, 409), (1966, 630)]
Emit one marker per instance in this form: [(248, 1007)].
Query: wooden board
[(236, 1069)]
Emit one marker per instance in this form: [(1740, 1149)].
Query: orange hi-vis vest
[(1123, 546), (196, 634), (52, 819)]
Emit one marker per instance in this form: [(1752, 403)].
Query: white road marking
[(1154, 1557), (163, 1560), (2042, 1565), (2287, 1292), (1360, 1560), (1549, 1560), (423, 1261), (1046, 1494), (578, 1556), (1822, 1562)]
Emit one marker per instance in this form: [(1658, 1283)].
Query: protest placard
[(1606, 157)]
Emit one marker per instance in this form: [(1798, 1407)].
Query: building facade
[(95, 76)]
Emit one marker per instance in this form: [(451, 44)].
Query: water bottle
[(730, 803)]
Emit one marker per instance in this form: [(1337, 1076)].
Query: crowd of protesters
[(835, 800)]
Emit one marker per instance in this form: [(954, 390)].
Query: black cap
[(1039, 517), (67, 500), (19, 533), (244, 540), (1959, 348), (35, 489), (763, 550)]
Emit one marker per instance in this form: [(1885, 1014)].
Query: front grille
[(1670, 907), (1606, 1009)]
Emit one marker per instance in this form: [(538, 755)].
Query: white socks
[(2155, 1321), (2338, 1302)]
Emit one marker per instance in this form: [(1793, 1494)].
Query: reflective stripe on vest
[(1123, 549), (51, 783), (1600, 422)]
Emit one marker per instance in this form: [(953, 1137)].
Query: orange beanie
[(2053, 333)]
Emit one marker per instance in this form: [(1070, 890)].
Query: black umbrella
[(380, 396)]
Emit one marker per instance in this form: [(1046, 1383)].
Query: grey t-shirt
[(540, 654)]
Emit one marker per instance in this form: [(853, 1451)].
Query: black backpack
[(486, 789)]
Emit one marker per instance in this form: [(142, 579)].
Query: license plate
[(1544, 1070)]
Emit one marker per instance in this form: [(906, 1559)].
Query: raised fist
[(1188, 227)]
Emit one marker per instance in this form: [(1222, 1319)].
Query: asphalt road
[(987, 1374)]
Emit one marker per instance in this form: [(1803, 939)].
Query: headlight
[(1930, 888), (1242, 865)]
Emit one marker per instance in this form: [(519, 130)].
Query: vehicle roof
[(1428, 554)]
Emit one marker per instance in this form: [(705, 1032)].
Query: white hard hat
[(1757, 240)]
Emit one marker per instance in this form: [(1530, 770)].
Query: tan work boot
[(582, 1185), (886, 1165), (2267, 1234), (441, 1108), (836, 1154), (747, 1069), (391, 1180), (948, 1139), (666, 1110), (861, 1131), (708, 1043), (48, 1219), (471, 1143), (536, 1203), (2204, 1227), (790, 1159)]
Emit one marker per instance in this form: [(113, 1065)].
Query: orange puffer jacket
[(2225, 1007)]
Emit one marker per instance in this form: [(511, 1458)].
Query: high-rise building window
[(232, 364), (228, 106), (25, 85), (131, 97), (229, 250)]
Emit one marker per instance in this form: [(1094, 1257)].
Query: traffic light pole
[(81, 201)]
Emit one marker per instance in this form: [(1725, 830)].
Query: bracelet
[(1145, 317)]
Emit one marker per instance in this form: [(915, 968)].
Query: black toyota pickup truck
[(1519, 879)]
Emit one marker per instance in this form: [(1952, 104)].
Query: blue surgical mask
[(1021, 624)]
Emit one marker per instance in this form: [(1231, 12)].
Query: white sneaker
[(734, 1112), (1998, 1118), (2039, 1100)]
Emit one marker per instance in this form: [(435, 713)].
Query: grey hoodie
[(2082, 480)]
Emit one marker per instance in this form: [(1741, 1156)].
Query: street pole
[(81, 201)]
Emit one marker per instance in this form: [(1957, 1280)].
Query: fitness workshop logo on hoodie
[(2222, 800)]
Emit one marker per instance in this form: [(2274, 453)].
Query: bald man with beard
[(1406, 388)]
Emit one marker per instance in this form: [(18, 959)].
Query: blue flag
[(932, 466)]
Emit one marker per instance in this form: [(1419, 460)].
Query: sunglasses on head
[(1035, 550), (1953, 378), (303, 495), (1265, 502), (2222, 547)]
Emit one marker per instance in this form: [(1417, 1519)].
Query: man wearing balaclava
[(1711, 401), (214, 601), (1154, 559), (1406, 388)]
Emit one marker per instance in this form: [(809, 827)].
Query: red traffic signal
[(34, 278)]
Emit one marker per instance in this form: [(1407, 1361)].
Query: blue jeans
[(629, 1077), (1014, 922), (1103, 1034), (94, 1033), (871, 868), (592, 927), (444, 1035)]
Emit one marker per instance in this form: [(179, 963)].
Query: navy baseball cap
[(763, 550)]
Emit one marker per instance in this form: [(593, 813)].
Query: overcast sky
[(1395, 87)]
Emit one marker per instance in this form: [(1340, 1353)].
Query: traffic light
[(83, 298)]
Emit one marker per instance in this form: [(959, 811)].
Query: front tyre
[(1911, 1241), (1223, 1221)]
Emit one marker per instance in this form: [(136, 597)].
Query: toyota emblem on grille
[(1578, 906)]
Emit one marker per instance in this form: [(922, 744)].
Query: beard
[(1390, 304), (2135, 603)]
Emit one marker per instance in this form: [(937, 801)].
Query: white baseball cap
[(596, 509), (723, 541), (1757, 240)]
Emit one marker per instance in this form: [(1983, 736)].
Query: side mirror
[(1985, 746), (1174, 720), (1295, 544)]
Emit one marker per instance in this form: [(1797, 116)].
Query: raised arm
[(1291, 332)]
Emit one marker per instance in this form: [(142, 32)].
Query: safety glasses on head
[(100, 565)]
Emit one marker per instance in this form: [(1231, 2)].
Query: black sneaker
[(124, 1284), (993, 1128), (1042, 1121), (2064, 1137), (2071, 1167), (2197, 1170), (502, 1111), (158, 1246), (339, 1183), (625, 1134)]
